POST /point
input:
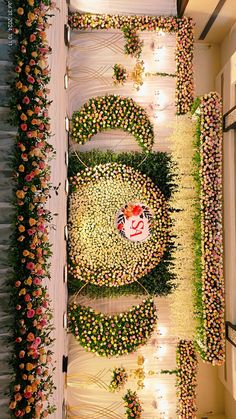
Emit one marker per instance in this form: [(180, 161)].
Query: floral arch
[(112, 112)]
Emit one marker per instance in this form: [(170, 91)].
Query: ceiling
[(202, 10)]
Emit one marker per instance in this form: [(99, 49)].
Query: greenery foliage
[(158, 167)]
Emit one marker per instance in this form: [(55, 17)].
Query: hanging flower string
[(32, 384), (183, 27), (112, 335)]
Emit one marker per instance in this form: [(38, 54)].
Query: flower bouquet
[(133, 405), (133, 45), (120, 74), (119, 378)]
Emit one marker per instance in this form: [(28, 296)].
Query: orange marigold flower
[(21, 228), (20, 194), (31, 16), (18, 397), (20, 11), (12, 405), (19, 85), (30, 337), (23, 117), (29, 367), (32, 221)]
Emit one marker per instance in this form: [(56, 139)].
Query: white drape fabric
[(92, 56), (89, 375), (147, 7)]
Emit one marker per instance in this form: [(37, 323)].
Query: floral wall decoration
[(109, 112), (112, 335), (119, 379), (133, 405), (98, 252), (186, 379), (32, 385), (209, 262), (158, 166), (183, 27)]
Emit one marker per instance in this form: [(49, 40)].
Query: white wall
[(206, 66), (210, 391), (228, 47), (230, 406)]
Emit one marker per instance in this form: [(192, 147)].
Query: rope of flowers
[(32, 383), (119, 379), (186, 379), (133, 405), (112, 335), (183, 27), (112, 112), (104, 199), (209, 262)]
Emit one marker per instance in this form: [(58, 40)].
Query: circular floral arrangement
[(119, 379), (112, 335), (112, 112), (98, 254)]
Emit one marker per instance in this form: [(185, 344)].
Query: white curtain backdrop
[(138, 7), (158, 395), (92, 56)]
